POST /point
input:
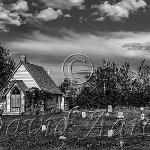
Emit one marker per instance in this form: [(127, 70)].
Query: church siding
[(24, 75)]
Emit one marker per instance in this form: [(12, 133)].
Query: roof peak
[(28, 63), (42, 78)]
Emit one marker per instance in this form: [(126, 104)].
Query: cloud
[(114, 11), (138, 46), (119, 10), (63, 4), (20, 5), (17, 14), (123, 35), (77, 2), (90, 44), (8, 17), (2, 27), (49, 14), (132, 5), (10, 14), (67, 15)]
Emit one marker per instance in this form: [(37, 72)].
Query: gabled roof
[(40, 76), (20, 84)]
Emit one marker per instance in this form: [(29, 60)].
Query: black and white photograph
[(74, 74)]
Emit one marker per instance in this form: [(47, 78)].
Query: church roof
[(40, 76)]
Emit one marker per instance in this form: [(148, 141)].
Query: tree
[(7, 65), (142, 84), (35, 97), (108, 85), (99, 90), (111, 84), (70, 90), (65, 85), (125, 78)]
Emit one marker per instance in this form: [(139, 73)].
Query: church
[(25, 76)]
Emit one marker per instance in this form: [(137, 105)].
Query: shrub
[(56, 111)]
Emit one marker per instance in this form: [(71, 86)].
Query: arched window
[(15, 91)]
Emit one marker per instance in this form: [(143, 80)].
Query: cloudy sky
[(48, 31)]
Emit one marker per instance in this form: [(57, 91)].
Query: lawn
[(78, 135)]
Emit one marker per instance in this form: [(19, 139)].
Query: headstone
[(142, 108), (107, 114), (83, 114), (43, 127), (109, 108), (142, 116), (120, 115), (1, 123), (110, 133), (121, 143), (62, 138)]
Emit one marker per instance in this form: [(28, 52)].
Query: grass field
[(76, 132)]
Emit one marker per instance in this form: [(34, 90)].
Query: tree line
[(111, 84)]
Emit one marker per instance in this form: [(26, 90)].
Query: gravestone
[(62, 138), (43, 127), (83, 114), (142, 116), (109, 108), (142, 108), (120, 115), (121, 143), (107, 114), (1, 123), (110, 133)]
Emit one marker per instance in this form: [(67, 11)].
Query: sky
[(48, 31)]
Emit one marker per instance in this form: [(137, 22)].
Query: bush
[(48, 110), (56, 111), (36, 98)]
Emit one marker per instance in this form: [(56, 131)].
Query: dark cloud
[(51, 30), (64, 4), (81, 18), (138, 46), (42, 58)]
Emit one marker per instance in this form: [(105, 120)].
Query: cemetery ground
[(77, 134)]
